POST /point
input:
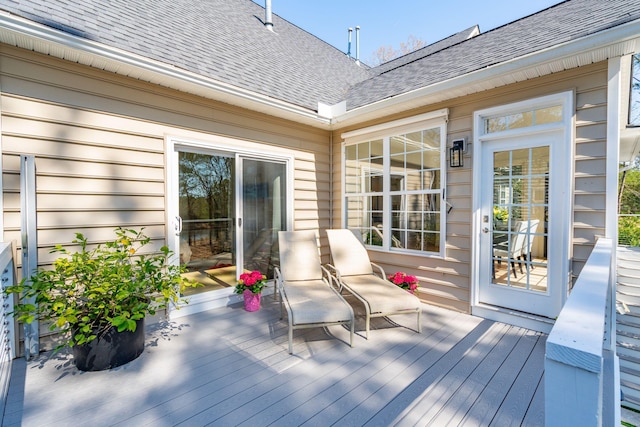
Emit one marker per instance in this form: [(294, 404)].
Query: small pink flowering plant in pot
[(253, 282), (405, 281)]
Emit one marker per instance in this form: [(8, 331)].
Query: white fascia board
[(614, 42), (30, 35)]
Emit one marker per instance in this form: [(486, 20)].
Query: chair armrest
[(334, 276), (330, 279), (380, 270), (277, 280)]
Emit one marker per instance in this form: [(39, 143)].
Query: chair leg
[(290, 337), (367, 321), (419, 321), (513, 269), (353, 330)]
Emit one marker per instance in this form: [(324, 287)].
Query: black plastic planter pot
[(110, 349)]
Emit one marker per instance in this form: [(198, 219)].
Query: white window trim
[(220, 144), (433, 119)]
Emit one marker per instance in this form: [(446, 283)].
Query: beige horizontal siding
[(99, 142), (447, 280)]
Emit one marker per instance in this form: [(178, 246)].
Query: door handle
[(485, 230), (178, 225)]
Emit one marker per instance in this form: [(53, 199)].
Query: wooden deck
[(230, 367)]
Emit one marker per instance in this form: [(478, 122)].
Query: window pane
[(431, 180), (398, 239), (350, 152), (431, 221), (431, 159), (549, 115), (355, 207), (397, 163), (495, 124), (414, 240), (413, 141), (634, 102), (414, 181), (396, 145), (520, 120), (414, 161), (376, 148), (431, 139), (363, 150), (396, 182), (431, 203), (352, 177), (397, 203), (523, 119), (431, 242)]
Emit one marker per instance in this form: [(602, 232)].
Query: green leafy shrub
[(88, 291), (629, 230)]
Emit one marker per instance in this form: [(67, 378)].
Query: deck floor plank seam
[(230, 367)]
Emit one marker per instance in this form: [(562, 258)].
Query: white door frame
[(563, 184), (234, 147)]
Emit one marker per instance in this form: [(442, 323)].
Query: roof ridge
[(420, 57), (427, 46)]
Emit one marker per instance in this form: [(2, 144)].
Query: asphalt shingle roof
[(221, 39), (561, 23), (226, 40)]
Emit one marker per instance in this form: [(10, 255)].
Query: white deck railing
[(7, 343), (582, 380)]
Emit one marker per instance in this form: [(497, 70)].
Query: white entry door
[(520, 248)]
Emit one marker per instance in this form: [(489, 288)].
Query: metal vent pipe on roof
[(268, 16), (349, 43), (358, 43)]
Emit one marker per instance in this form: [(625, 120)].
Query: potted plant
[(98, 298), (250, 286), (405, 281)]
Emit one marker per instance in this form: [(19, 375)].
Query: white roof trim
[(23, 33), (442, 114)]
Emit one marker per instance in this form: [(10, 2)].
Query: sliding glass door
[(230, 209)]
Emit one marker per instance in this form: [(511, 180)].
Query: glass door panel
[(207, 209), (520, 206), (263, 213)]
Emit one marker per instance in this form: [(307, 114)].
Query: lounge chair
[(306, 288), (355, 272)]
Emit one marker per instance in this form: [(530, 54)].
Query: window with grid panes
[(394, 190)]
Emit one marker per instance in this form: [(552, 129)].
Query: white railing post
[(575, 358)]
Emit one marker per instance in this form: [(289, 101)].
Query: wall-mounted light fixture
[(455, 153)]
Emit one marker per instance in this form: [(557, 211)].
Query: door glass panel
[(520, 218), (206, 185), (264, 213)]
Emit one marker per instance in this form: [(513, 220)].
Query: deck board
[(229, 367)]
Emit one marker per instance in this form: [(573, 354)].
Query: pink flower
[(404, 281), (253, 281)]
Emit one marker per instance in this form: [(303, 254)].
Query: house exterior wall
[(447, 281), (99, 143)]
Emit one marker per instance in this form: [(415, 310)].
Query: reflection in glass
[(206, 184), (263, 213), (520, 217)]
